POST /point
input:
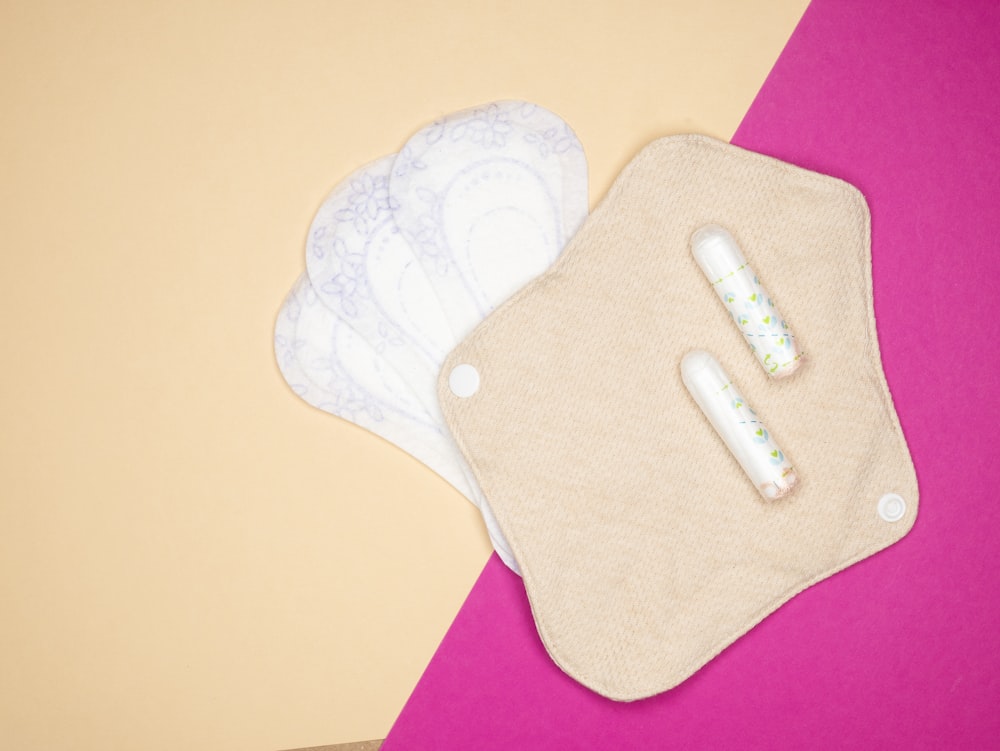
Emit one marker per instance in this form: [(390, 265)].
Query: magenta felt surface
[(902, 650)]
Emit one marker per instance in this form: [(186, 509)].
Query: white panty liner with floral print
[(409, 253)]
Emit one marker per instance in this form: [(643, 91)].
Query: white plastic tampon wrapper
[(747, 301), (738, 425)]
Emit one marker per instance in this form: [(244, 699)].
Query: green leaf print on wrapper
[(751, 444), (748, 303)]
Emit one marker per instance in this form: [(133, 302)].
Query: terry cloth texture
[(645, 550)]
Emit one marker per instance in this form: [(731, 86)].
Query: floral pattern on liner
[(493, 194), (488, 198), (364, 271), (330, 367), (319, 356)]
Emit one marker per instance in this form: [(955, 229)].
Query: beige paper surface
[(190, 557)]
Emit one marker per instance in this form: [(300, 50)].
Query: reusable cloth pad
[(644, 548)]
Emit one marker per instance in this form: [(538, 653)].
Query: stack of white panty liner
[(409, 253)]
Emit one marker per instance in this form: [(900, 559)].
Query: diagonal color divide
[(896, 652)]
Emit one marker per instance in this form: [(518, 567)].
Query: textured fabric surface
[(644, 549)]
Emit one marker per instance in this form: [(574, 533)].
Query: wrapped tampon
[(747, 301), (738, 425)]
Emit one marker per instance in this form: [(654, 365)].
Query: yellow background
[(190, 556)]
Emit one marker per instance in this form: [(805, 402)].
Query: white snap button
[(891, 507), (464, 380)]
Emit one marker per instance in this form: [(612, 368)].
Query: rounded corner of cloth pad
[(645, 551)]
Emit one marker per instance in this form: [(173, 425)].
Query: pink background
[(901, 650)]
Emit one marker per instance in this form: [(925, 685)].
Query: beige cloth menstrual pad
[(645, 550)]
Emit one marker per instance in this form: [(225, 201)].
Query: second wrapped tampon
[(738, 425)]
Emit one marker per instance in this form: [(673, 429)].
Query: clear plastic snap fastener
[(891, 507), (464, 380)]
